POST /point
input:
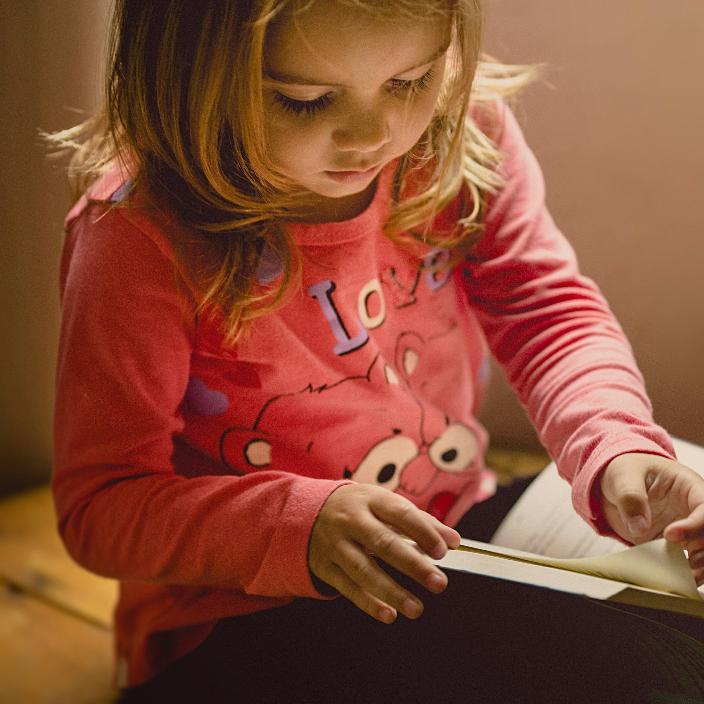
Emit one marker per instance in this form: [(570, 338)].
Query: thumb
[(631, 499)]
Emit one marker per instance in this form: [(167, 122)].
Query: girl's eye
[(297, 107), (415, 86), (311, 107)]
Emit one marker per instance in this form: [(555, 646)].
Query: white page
[(561, 580), (528, 573), (544, 522), (690, 455), (656, 565)]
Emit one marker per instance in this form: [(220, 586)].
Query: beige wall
[(618, 126), (618, 134), (50, 54)]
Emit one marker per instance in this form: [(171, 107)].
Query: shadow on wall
[(50, 76), (616, 126)]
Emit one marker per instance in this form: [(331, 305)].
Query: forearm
[(551, 329), (248, 532)]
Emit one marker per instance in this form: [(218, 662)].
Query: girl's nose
[(363, 132)]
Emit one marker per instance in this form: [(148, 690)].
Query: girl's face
[(345, 94)]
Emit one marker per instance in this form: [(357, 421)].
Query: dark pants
[(482, 640)]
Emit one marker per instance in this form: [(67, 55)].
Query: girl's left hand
[(646, 496)]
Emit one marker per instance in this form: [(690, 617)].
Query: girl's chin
[(335, 205)]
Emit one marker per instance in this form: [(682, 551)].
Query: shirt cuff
[(287, 559), (586, 492)]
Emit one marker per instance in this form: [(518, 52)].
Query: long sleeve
[(123, 370), (552, 331)]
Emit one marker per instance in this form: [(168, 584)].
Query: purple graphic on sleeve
[(205, 401)]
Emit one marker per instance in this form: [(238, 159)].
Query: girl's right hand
[(362, 523)]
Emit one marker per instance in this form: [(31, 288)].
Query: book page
[(544, 542), (527, 573), (656, 565), (492, 564), (544, 522)]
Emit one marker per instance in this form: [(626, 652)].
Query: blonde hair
[(189, 135)]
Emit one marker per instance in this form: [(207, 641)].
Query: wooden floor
[(55, 638)]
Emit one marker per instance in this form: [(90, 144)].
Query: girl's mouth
[(352, 176)]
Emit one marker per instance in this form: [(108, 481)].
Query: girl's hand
[(646, 496), (360, 524)]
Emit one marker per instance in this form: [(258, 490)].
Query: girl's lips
[(352, 176)]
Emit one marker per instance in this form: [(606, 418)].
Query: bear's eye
[(455, 449), (258, 453), (384, 463), (386, 473)]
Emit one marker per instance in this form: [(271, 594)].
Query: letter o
[(370, 288)]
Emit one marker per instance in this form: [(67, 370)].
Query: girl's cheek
[(282, 123), (293, 142), (294, 136), (419, 120)]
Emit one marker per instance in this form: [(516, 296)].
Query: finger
[(380, 540), (412, 522), (451, 537), (628, 493), (366, 573), (689, 528), (696, 560), (364, 601), (695, 556)]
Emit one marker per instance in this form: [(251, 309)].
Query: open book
[(543, 542)]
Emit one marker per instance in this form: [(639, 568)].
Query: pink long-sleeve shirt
[(193, 472)]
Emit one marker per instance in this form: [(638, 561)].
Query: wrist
[(596, 506)]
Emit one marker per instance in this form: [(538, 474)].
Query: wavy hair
[(182, 111)]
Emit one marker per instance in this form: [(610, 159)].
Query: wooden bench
[(55, 617)]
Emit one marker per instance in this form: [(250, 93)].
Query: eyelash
[(297, 107), (311, 107), (414, 86)]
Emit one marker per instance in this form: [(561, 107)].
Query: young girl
[(303, 220)]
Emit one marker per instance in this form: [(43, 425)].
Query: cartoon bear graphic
[(454, 448), (324, 431), (379, 427)]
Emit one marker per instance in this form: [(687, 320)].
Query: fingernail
[(411, 608), (387, 615), (674, 535), (436, 582), (438, 551), (637, 525)]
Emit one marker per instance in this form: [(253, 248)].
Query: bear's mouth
[(441, 504)]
